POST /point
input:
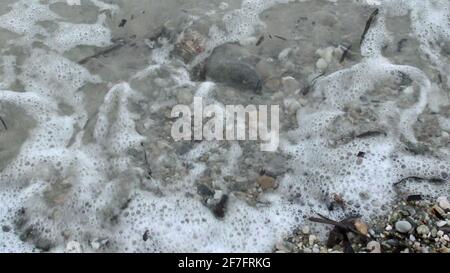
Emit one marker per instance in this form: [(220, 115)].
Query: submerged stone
[(232, 65)]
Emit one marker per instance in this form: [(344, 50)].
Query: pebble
[(232, 65), (403, 226), (290, 85), (73, 247), (321, 64), (316, 249), (306, 230), (374, 247), (307, 250), (433, 232), (326, 54), (443, 202), (423, 230), (312, 239), (362, 227), (441, 223), (266, 182), (440, 233), (388, 228)]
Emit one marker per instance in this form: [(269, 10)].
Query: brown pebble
[(361, 227), (266, 182)]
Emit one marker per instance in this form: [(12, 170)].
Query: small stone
[(73, 247), (433, 232), (388, 228), (362, 227), (443, 202), (326, 53), (424, 250), (438, 211), (403, 226), (374, 247), (266, 182), (441, 223), (423, 230), (290, 85), (321, 64), (95, 245), (440, 233), (218, 194), (98, 243), (234, 66), (306, 230), (412, 238), (316, 249), (312, 239), (392, 242), (444, 250), (307, 250)]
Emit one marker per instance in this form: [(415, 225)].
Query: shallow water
[(88, 162)]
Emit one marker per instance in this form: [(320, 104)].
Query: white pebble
[(443, 202), (321, 64), (374, 247), (441, 223), (305, 230), (73, 247)]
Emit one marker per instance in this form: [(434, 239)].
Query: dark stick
[(368, 24), (260, 40), (3, 123), (346, 51), (120, 43), (306, 90), (280, 37), (433, 180)]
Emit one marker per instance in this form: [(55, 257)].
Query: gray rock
[(403, 226), (232, 65)]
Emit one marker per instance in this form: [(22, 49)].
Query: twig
[(3, 123), (306, 90), (280, 37), (260, 40), (432, 180), (345, 53), (120, 43), (368, 24)]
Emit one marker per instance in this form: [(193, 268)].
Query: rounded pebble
[(403, 226)]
